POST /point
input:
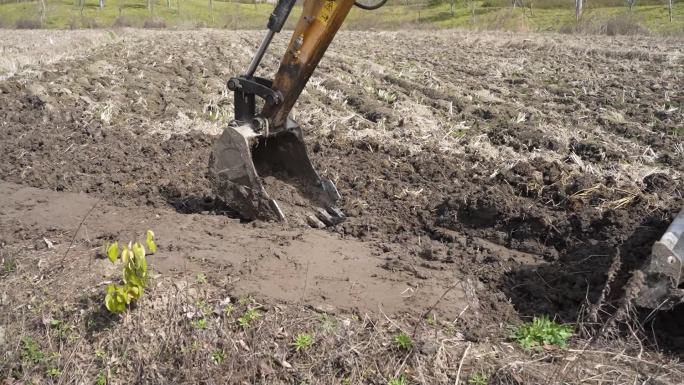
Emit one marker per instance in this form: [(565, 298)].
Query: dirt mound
[(74, 153)]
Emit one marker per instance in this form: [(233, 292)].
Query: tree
[(578, 9), (101, 4), (452, 6), (43, 10), (669, 9), (631, 4)]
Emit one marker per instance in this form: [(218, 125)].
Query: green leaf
[(122, 295), (131, 277), (134, 292), (149, 240), (542, 331), (138, 251), (116, 299), (126, 255), (140, 260), (403, 341), (113, 251)]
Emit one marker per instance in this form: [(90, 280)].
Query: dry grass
[(123, 21), (620, 24), (28, 51), (154, 23), (57, 331), (26, 23)]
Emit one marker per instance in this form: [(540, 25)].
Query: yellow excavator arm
[(268, 142), (317, 26)]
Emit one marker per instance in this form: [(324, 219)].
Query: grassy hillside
[(174, 13), (544, 15), (601, 16)]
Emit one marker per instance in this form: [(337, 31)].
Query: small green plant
[(149, 241), (135, 276), (398, 381), (303, 341), (54, 372), (203, 307), (30, 351), (540, 332), (478, 378), (62, 330), (194, 346), (201, 323), (218, 356), (251, 314), (228, 310), (101, 378), (432, 319), (201, 278), (9, 265), (403, 341)]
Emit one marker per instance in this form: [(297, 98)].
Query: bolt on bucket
[(241, 157)]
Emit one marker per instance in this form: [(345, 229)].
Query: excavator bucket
[(663, 281), (241, 158)]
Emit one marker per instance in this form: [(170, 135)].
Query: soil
[(309, 267), (490, 181)]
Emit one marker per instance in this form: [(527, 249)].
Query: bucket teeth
[(240, 154)]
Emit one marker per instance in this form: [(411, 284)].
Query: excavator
[(264, 140)]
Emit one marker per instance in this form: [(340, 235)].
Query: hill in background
[(599, 16)]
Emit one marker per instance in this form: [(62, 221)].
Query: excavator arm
[(316, 28), (268, 142)]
